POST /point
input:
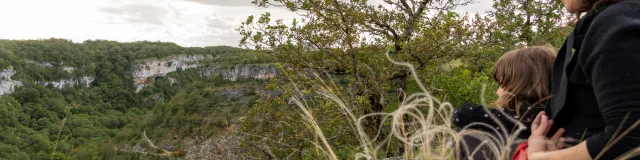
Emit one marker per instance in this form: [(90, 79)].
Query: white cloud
[(224, 2), (480, 6), (138, 13), (184, 22)]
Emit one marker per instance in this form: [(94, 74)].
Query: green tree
[(349, 39)]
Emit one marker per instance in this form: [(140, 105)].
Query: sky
[(189, 23)]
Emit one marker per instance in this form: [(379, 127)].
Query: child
[(523, 76)]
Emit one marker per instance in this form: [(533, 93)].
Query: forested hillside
[(294, 91), (97, 99)]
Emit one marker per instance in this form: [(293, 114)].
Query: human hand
[(539, 144)]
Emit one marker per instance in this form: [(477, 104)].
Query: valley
[(104, 99)]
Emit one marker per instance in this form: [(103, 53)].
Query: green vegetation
[(452, 53), (102, 120)]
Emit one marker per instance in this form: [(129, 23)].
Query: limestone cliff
[(249, 71), (7, 85), (64, 83), (146, 69), (160, 67)]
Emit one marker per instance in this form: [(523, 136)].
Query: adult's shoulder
[(626, 11), (614, 29)]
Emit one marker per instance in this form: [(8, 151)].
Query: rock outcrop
[(160, 67), (7, 85), (64, 83), (249, 71), (68, 69)]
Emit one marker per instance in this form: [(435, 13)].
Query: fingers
[(548, 127), (556, 137), (561, 143), (536, 122), (554, 143), (543, 125)]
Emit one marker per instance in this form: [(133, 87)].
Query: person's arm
[(612, 62), (542, 148), (577, 152), (611, 59)]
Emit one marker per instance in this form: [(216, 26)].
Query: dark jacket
[(470, 113), (467, 114), (603, 80)]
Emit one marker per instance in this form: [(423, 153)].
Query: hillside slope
[(108, 100)]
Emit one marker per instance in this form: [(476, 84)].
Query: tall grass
[(422, 124)]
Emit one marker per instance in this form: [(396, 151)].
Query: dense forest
[(103, 99), (107, 116)]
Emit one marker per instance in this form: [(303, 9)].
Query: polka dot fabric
[(472, 113)]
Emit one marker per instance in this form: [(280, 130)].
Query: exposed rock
[(68, 69), (250, 71), (65, 83), (172, 80), (41, 64), (7, 85), (45, 64), (160, 67)]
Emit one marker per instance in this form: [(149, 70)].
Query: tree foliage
[(89, 122), (346, 42)]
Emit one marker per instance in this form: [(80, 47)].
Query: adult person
[(596, 89)]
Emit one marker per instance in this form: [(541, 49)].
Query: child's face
[(500, 92)]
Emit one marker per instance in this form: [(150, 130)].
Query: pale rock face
[(41, 64), (64, 83), (45, 64), (68, 69), (250, 71), (160, 67), (7, 85)]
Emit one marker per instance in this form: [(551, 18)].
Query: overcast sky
[(185, 22)]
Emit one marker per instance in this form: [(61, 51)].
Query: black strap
[(567, 56), (559, 91)]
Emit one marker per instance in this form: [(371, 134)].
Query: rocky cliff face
[(64, 83), (153, 68), (250, 71), (7, 85), (160, 67)]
